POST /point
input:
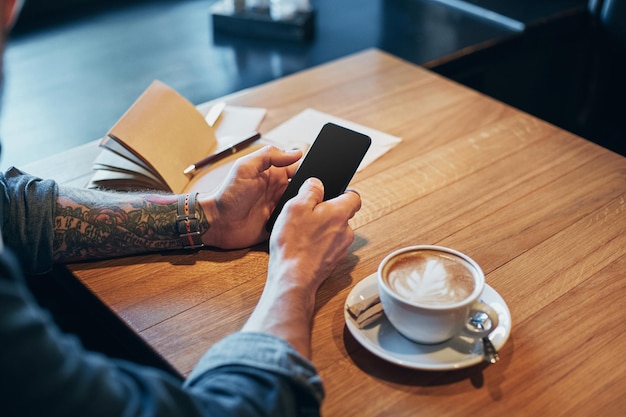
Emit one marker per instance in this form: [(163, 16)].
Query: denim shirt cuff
[(260, 351)]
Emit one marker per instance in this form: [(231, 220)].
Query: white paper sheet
[(301, 130)]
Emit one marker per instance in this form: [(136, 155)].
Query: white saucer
[(382, 339)]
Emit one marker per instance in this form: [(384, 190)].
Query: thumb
[(312, 190)]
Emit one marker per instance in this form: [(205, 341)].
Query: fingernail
[(315, 182)]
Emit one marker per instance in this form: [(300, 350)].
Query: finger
[(311, 192), (268, 156), (349, 203), (272, 156), (291, 169), (282, 158)]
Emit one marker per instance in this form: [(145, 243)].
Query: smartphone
[(333, 157)]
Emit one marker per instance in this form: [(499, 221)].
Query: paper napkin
[(301, 130)]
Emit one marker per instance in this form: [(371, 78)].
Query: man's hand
[(239, 209), (311, 235), (309, 239)]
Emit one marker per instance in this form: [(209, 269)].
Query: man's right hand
[(309, 239), (311, 236)]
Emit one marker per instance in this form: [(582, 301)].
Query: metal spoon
[(489, 350)]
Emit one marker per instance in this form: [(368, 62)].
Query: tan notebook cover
[(160, 135)]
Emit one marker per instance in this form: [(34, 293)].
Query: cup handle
[(474, 327)]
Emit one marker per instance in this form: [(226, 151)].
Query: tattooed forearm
[(92, 224)]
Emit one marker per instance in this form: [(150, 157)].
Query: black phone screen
[(333, 157)]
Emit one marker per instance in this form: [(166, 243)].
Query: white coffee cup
[(430, 293)]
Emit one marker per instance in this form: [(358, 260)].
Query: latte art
[(428, 277)]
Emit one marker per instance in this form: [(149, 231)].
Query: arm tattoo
[(94, 224)]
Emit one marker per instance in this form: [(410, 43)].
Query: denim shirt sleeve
[(241, 358), (42, 369), (27, 209), (47, 373)]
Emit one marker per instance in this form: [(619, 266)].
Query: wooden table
[(541, 210)]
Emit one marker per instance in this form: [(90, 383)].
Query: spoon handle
[(490, 352)]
